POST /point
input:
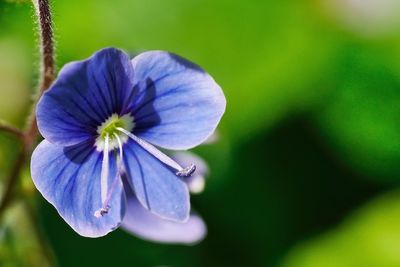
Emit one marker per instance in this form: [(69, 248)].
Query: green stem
[(47, 75), (4, 126), (12, 181)]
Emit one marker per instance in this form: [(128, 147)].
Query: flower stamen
[(182, 172), (105, 207), (188, 171), (108, 127), (104, 169)]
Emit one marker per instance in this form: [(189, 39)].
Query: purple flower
[(102, 120), (142, 223)]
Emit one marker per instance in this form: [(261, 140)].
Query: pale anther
[(186, 172), (101, 212)]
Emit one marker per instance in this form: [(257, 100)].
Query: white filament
[(105, 207), (121, 153), (154, 151), (105, 192), (104, 171)]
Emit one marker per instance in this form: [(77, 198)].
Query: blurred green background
[(307, 169)]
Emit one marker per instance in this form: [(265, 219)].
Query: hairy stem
[(47, 44), (47, 74)]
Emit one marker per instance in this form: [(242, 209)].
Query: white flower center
[(113, 133), (109, 127)]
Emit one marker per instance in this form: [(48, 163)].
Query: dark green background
[(307, 167)]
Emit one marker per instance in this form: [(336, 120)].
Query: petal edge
[(178, 104), (69, 178)]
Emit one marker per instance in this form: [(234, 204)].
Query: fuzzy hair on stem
[(47, 75)]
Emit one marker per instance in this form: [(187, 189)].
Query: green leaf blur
[(310, 135)]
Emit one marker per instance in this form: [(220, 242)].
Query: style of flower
[(146, 225), (103, 120)]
